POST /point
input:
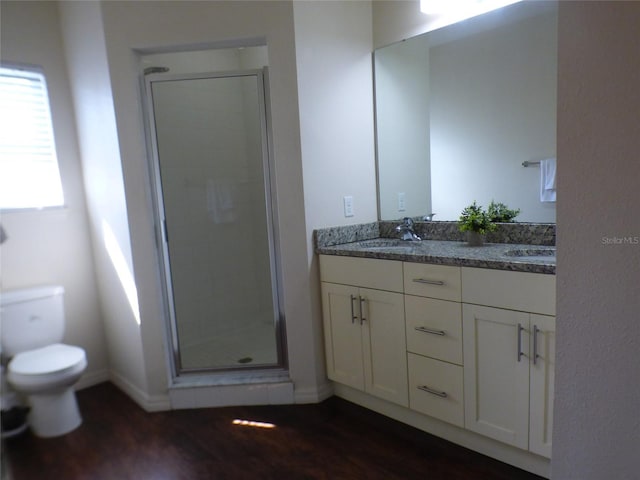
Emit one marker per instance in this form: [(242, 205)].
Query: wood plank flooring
[(332, 440)]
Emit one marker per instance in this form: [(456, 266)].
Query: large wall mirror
[(458, 111)]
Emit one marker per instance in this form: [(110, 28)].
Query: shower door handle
[(165, 231)]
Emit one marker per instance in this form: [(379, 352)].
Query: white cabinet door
[(343, 334), (384, 345), (365, 342), (543, 347), (496, 373)]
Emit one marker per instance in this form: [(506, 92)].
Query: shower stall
[(215, 219)]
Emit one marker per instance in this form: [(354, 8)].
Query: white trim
[(150, 403), (231, 395), (315, 394)]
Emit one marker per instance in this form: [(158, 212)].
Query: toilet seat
[(53, 366), (54, 358)]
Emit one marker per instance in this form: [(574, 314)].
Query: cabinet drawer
[(527, 292), (435, 281), (434, 328), (362, 272), (436, 389)]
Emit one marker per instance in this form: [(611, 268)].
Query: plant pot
[(475, 239)]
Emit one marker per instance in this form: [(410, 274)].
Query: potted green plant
[(500, 213), (476, 222)]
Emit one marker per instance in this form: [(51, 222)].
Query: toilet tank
[(31, 318)]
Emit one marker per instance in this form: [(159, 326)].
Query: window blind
[(29, 174)]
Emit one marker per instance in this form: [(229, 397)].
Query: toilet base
[(53, 414)]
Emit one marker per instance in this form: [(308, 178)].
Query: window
[(29, 175)]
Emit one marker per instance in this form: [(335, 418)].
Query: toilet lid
[(50, 359)]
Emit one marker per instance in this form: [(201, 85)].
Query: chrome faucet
[(406, 229), (429, 217)]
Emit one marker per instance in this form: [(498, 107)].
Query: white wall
[(86, 56), (53, 246), (333, 56), (395, 20), (210, 60), (596, 422)]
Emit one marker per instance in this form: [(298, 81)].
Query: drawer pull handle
[(428, 282), (362, 317), (442, 333), (424, 388)]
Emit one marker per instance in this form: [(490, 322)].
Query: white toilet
[(40, 367)]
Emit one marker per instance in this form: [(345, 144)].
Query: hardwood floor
[(332, 440)]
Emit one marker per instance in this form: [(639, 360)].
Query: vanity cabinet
[(364, 327), (509, 356), (472, 347)]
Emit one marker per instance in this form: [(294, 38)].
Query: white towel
[(220, 200), (548, 180)]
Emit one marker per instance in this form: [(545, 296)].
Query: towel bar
[(527, 163)]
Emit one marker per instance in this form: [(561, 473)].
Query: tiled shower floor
[(255, 345)]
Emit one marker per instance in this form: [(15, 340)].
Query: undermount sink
[(541, 253)]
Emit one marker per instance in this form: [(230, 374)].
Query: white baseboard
[(314, 394), (150, 403)]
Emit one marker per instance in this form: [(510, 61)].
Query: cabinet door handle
[(535, 344), (362, 317), (520, 329), (428, 282), (437, 393), (442, 333), (354, 317)]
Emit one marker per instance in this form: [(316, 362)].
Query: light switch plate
[(402, 203), (348, 206)]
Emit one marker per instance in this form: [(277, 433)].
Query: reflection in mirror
[(458, 111)]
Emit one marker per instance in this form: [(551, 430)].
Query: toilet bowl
[(40, 367), (46, 376)]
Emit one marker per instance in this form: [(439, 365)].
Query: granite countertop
[(501, 256)]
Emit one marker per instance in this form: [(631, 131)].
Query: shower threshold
[(231, 389)]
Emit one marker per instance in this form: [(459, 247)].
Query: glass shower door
[(213, 192)]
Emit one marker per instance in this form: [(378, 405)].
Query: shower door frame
[(179, 373)]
